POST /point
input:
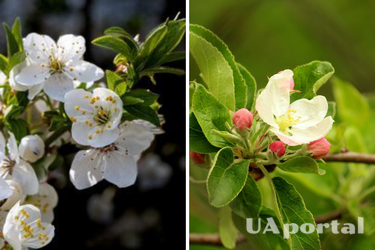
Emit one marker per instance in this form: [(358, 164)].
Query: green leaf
[(301, 164), (226, 178), (216, 72), (197, 141), (331, 109), (227, 230), (167, 70), (130, 100), (240, 88), (251, 86), (262, 241), (173, 56), (3, 64), (147, 96), (120, 32), (12, 46), (17, 33), (115, 44), (17, 58), (143, 112), (18, 127), (152, 41), (293, 210), (115, 82), (308, 78), (211, 115), (352, 107), (249, 202)]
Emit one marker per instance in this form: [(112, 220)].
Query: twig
[(214, 239), (351, 157)]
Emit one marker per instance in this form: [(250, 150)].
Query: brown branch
[(351, 157), (214, 239)]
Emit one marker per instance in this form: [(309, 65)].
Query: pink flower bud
[(242, 119), (291, 81), (319, 148), (278, 147), (197, 158)]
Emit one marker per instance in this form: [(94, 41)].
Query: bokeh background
[(150, 214), (268, 36)]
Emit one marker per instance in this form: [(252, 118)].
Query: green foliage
[(226, 178), (302, 164), (227, 230)]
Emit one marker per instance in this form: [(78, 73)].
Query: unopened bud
[(31, 148), (278, 147), (242, 119), (319, 148), (197, 157)]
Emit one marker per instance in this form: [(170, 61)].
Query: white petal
[(13, 148), (10, 230), (114, 106), (86, 169), (5, 190), (13, 73), (32, 74), (57, 86), (34, 90), (24, 174), (304, 136), (77, 104), (264, 107), (71, 47), (103, 139), (2, 147), (80, 133), (39, 47), (134, 138), (3, 78), (120, 170), (83, 71), (310, 112), (279, 88)]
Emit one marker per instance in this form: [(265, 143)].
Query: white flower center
[(287, 121), (56, 65)]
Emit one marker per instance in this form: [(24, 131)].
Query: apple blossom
[(319, 148), (55, 67), (46, 200), (95, 116), (288, 74), (301, 122), (16, 196), (31, 148), (278, 148), (23, 228), (242, 119), (116, 162), (18, 170)]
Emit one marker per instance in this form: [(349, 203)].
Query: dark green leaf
[(226, 178), (197, 141), (302, 164), (3, 64), (12, 46), (130, 100), (18, 127), (143, 112), (152, 41), (147, 96), (173, 56), (115, 44), (17, 33), (251, 86), (120, 32), (167, 70), (17, 58), (116, 83)]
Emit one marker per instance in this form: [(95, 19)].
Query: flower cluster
[(50, 97)]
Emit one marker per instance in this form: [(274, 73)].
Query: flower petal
[(34, 90), (77, 104), (32, 74), (24, 174), (304, 136), (103, 138), (83, 71), (5, 190), (120, 170), (134, 138), (10, 232), (3, 78), (80, 133), (13, 148), (57, 86), (310, 112), (2, 147), (71, 47), (39, 47), (86, 169)]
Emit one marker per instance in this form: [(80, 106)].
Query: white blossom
[(12, 167), (46, 200), (115, 163), (95, 116), (31, 148), (301, 122), (54, 67), (3, 79), (23, 228), (16, 196)]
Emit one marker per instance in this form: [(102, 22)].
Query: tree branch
[(351, 157), (214, 239)]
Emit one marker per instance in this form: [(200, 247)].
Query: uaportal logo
[(306, 228)]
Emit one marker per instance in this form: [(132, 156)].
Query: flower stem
[(274, 199), (55, 135)]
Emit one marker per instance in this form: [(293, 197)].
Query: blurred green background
[(269, 36)]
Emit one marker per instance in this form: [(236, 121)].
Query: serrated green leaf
[(115, 44), (240, 88), (308, 78), (293, 210), (249, 202), (301, 164), (352, 107), (227, 230), (226, 178), (216, 72), (144, 112), (197, 141), (251, 86), (12, 46), (211, 115)]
